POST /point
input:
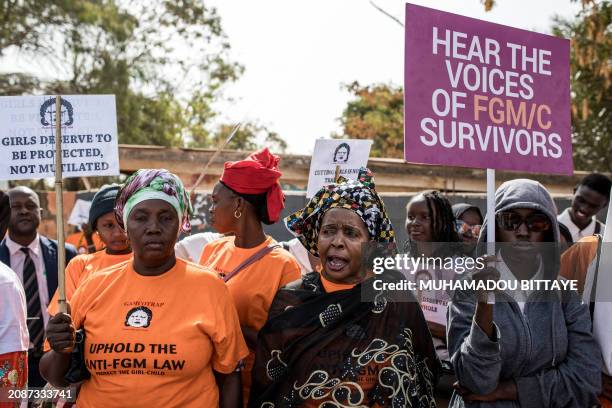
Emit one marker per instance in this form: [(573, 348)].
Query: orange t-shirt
[(576, 259), (154, 341), (78, 240), (254, 287), (575, 264), (330, 286), (80, 268)]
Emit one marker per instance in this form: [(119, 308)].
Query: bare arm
[(250, 337), (53, 367), (61, 336), (230, 389)]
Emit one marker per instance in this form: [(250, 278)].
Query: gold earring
[(237, 214)]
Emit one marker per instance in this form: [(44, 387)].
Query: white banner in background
[(349, 154), (80, 213), (602, 315), (27, 136)]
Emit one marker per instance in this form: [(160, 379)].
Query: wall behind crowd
[(395, 203)]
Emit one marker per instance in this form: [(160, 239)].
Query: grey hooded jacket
[(548, 349)]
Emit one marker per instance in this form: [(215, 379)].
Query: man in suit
[(34, 259)]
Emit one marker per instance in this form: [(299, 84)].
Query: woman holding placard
[(523, 348), (160, 331)]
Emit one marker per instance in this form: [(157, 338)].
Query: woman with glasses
[(468, 220), (523, 348)]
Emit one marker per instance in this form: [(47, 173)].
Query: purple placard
[(479, 94)]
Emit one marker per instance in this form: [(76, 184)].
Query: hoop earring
[(237, 214)]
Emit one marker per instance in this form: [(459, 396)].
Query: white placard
[(27, 136), (80, 213), (604, 277), (349, 154), (602, 315)]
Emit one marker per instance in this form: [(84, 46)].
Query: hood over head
[(526, 193)]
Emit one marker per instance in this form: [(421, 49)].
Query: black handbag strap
[(597, 228), (251, 259)]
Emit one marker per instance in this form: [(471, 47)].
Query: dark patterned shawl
[(337, 350)]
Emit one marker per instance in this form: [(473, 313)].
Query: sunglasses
[(464, 228), (511, 221)]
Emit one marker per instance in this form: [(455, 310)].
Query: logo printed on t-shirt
[(139, 317)]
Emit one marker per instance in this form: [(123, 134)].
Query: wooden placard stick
[(59, 209), (213, 157)]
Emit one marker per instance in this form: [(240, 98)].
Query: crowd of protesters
[(234, 318)]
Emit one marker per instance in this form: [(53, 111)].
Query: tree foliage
[(375, 112), (165, 61), (591, 80)]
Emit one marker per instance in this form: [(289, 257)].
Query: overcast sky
[(297, 54)]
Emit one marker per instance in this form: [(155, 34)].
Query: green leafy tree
[(24, 23), (164, 60), (591, 80), (375, 112)]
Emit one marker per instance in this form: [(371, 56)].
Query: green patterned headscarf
[(153, 184), (355, 195)]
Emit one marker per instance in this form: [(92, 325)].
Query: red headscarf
[(257, 174)]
